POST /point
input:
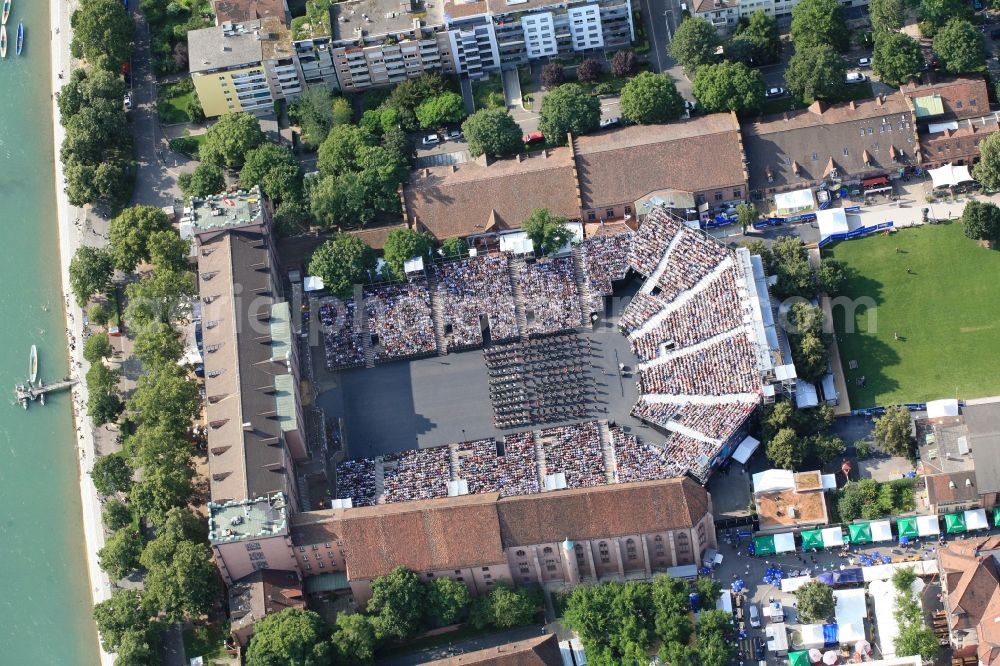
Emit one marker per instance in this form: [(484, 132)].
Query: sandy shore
[(70, 237)]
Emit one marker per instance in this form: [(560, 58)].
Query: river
[(45, 603)]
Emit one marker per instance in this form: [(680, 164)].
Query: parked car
[(856, 77), (864, 62), (127, 101), (610, 122), (777, 91), (534, 137), (754, 615), (431, 140), (455, 135)]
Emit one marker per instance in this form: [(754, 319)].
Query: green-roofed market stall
[(764, 545), (799, 658), (860, 532), (812, 539), (907, 527), (954, 523)]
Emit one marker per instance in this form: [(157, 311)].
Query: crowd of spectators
[(575, 451), (417, 474), (636, 461), (693, 257), (400, 315), (715, 309), (651, 242), (606, 260), (473, 287), (356, 481), (551, 297), (639, 310), (518, 467), (725, 367), (717, 421), (343, 341), (685, 454)]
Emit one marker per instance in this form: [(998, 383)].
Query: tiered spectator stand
[(587, 303)]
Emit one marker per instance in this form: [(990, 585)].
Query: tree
[(168, 251), (897, 58), (397, 604), (292, 218), (651, 98), (454, 247), (115, 515), (916, 639), (135, 650), (811, 356), (120, 614), (694, 44), (937, 13), (165, 395), (589, 71), (447, 601), (885, 15), (90, 272), (827, 447), (342, 262), (814, 602), (786, 449), (179, 525), (816, 72), (129, 234), (186, 586), (157, 345), (206, 179), (408, 94), (805, 318), (552, 75), (987, 170), (354, 639), (161, 296), (503, 608), (97, 348), (624, 63), (981, 220), (103, 33), (342, 111), (443, 109), (404, 244), (98, 314), (313, 112), (548, 233), (672, 621), (162, 489), (708, 590), (120, 554), (728, 86), (103, 403), (892, 431), (960, 47), (112, 474), (567, 109), (294, 636), (275, 169), (228, 141), (159, 445), (832, 275), (759, 40), (789, 262), (819, 23), (746, 215), (492, 132)]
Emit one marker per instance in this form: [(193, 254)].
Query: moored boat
[(6, 12), (3, 41), (33, 364), (20, 37)]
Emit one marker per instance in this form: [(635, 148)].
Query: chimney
[(454, 168), (853, 107), (817, 108)]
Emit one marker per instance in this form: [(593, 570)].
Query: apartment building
[(724, 14), (953, 117)]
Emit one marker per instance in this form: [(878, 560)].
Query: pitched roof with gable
[(952, 487), (628, 164), (427, 535), (963, 97), (822, 137), (606, 511), (462, 199), (538, 651)]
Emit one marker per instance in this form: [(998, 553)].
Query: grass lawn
[(488, 93), (172, 103), (946, 313), (188, 145), (206, 642)]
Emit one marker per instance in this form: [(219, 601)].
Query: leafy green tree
[(397, 604), (492, 132), (440, 110), (832, 275), (135, 650), (819, 23), (129, 234), (816, 72), (381, 120), (814, 602), (228, 141), (676, 654), (71, 96), (99, 314), (295, 637), (342, 111), (805, 318), (937, 13), (90, 272), (715, 646), (122, 613), (893, 431), (960, 47), (342, 262), (708, 590), (120, 554), (786, 450), (987, 170), (206, 179), (186, 586), (917, 639), (746, 215), (503, 608), (886, 15), (694, 44), (447, 601), (548, 233), (354, 639), (276, 170), (179, 525), (589, 71), (159, 445), (165, 395), (103, 403), (404, 244), (827, 447), (113, 180), (454, 247), (162, 489), (759, 40), (651, 98), (729, 86), (811, 355), (158, 345), (897, 58), (102, 33), (981, 220), (409, 94), (790, 264), (624, 63), (161, 296), (112, 474), (292, 218), (168, 251), (566, 109), (313, 113), (115, 515)]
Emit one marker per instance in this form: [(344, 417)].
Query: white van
[(754, 616), (856, 77)]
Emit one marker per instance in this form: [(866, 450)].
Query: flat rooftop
[(234, 209), (247, 519), (381, 17), (776, 509), (231, 45)]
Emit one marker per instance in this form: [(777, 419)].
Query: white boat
[(6, 12), (33, 365), (3, 41)]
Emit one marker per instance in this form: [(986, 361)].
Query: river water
[(45, 604)]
